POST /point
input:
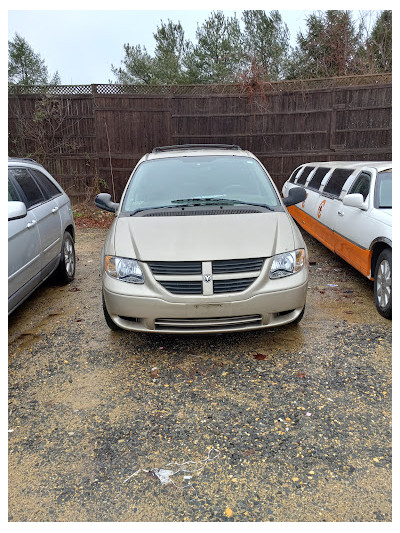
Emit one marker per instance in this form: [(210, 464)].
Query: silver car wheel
[(384, 283), (69, 256)]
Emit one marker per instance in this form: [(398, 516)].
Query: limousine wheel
[(383, 283)]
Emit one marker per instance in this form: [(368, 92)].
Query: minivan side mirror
[(295, 196), (103, 201), (16, 210), (355, 200)]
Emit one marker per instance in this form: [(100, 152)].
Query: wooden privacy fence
[(91, 137)]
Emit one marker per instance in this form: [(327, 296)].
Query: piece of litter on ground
[(163, 475), (331, 285)]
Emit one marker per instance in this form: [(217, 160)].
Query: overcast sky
[(82, 43)]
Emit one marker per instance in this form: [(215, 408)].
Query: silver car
[(41, 230), (202, 243)]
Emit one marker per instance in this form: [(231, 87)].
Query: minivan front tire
[(109, 321)]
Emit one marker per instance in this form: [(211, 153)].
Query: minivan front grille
[(237, 265), (232, 285), (175, 267), (183, 287), (208, 277)]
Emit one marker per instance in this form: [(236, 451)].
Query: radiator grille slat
[(232, 285), (237, 265), (183, 287), (176, 268)]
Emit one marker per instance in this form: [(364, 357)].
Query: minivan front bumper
[(135, 308)]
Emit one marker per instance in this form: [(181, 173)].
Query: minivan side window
[(316, 180), (33, 195), (361, 185), (337, 180), (304, 175), (48, 187)]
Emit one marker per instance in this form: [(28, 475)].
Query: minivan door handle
[(31, 224), (55, 209), (340, 213)]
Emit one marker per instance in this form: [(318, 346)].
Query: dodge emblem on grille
[(207, 278)]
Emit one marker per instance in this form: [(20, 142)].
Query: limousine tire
[(383, 283), (66, 267)]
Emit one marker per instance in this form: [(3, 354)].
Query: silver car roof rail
[(24, 160), (196, 146)]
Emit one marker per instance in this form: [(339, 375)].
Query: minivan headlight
[(287, 263), (123, 269)]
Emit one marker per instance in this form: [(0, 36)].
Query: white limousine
[(348, 208)]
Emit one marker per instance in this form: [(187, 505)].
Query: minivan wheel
[(66, 267), (297, 320), (110, 323), (383, 284)]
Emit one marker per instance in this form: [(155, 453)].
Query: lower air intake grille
[(210, 324)]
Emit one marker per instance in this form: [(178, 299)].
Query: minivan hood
[(203, 238)]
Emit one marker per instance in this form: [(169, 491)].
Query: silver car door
[(48, 219), (24, 263)]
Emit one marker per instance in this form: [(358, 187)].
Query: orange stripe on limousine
[(356, 256)]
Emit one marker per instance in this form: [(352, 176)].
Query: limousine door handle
[(340, 213)]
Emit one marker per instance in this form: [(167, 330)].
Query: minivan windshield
[(383, 194), (199, 180)]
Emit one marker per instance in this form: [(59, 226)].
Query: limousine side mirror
[(103, 201), (355, 200), (296, 195), (16, 210)]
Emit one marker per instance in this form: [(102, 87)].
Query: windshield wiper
[(216, 200), (139, 209)]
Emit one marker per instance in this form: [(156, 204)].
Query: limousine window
[(319, 175), (361, 185), (293, 176), (337, 180), (383, 190), (304, 175)]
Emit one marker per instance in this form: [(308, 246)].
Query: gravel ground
[(285, 425)]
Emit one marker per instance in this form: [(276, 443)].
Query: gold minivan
[(202, 243)]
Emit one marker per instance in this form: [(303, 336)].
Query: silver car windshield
[(203, 180)]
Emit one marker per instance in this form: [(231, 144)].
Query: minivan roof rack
[(196, 146)]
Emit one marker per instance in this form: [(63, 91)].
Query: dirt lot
[(286, 425)]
